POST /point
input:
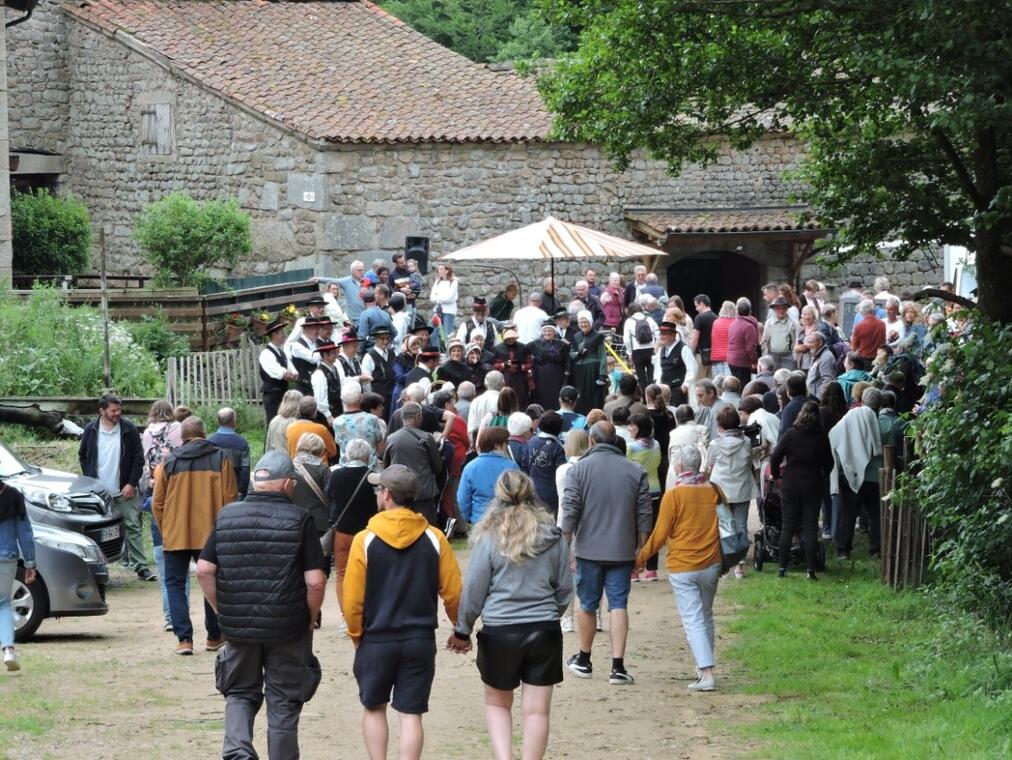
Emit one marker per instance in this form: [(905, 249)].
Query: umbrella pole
[(554, 288)]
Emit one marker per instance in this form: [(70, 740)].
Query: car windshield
[(10, 464)]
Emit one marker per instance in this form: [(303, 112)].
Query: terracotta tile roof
[(660, 223), (338, 71)]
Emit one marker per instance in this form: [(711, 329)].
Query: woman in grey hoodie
[(729, 459), (519, 582)]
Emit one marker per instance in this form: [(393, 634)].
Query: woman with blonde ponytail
[(519, 582)]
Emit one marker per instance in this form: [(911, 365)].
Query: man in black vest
[(378, 363), (327, 384), (275, 369), (676, 365), (304, 359), (262, 572)]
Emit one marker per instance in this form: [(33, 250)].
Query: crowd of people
[(572, 441)]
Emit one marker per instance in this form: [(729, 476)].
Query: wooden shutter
[(156, 129)]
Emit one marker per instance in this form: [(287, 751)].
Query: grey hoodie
[(536, 590), (730, 461)]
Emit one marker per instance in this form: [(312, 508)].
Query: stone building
[(342, 131)]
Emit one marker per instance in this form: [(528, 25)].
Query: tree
[(484, 30), (905, 106), (183, 238), (50, 235)]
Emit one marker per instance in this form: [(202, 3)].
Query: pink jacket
[(742, 340)]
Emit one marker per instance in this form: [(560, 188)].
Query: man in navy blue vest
[(262, 570)]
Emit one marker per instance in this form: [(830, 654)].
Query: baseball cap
[(276, 464), (518, 423), (569, 394), (397, 479)]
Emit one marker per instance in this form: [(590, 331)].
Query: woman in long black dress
[(551, 366), (587, 355)]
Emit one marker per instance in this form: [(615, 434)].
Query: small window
[(156, 130)]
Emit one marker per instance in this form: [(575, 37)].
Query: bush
[(48, 348), (51, 235), (962, 481), (183, 239), (153, 333)]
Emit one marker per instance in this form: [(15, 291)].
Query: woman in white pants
[(687, 523)]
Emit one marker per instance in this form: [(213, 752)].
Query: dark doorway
[(722, 275)]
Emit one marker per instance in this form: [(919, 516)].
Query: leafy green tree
[(906, 107), (483, 30), (183, 238), (50, 234)]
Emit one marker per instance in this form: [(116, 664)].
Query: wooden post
[(106, 364)]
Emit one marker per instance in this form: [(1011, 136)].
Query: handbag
[(327, 539), (734, 541)]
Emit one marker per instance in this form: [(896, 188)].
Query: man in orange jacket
[(396, 567), (192, 484)]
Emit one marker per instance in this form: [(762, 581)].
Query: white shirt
[(369, 364), (444, 295), (339, 366), (402, 322), (629, 334), (300, 350), (464, 335), (109, 444), (529, 321), (319, 382), (899, 327), (485, 404), (690, 362), (270, 364), (333, 309)]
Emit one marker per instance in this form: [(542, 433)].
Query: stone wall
[(326, 208), (38, 79)]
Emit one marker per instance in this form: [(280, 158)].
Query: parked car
[(65, 500), (70, 581)]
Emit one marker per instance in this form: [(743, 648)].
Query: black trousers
[(800, 511), (655, 507), (272, 400), (744, 374), (867, 496), (643, 364)]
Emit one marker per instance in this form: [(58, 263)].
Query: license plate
[(108, 534)]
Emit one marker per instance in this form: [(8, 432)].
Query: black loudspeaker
[(417, 248)]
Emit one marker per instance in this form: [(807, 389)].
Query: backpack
[(643, 333), (160, 448)]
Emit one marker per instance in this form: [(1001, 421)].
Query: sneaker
[(11, 659), (213, 645), (167, 626), (600, 621), (581, 671), (649, 576), (146, 575), (739, 573), (184, 648), (700, 684), (636, 576), (567, 624), (620, 678), (827, 536)]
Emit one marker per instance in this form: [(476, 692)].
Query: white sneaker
[(708, 684), (11, 659), (567, 624)]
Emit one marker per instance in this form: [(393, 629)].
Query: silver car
[(70, 581)]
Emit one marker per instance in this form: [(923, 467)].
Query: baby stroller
[(766, 545)]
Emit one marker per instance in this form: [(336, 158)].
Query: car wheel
[(30, 604)]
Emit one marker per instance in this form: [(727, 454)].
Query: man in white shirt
[(327, 384), (640, 352), (303, 355), (348, 365), (486, 403), (530, 319), (315, 307), (674, 363), (275, 369)]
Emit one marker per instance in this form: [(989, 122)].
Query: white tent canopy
[(553, 239)]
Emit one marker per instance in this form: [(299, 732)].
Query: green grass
[(857, 670)]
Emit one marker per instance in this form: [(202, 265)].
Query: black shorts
[(405, 668), (532, 657)]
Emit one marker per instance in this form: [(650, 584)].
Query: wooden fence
[(905, 537), (189, 313), (214, 378)]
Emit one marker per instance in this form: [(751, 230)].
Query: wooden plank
[(78, 406)]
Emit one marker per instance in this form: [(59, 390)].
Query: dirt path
[(113, 689)]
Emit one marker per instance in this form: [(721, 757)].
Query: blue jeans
[(593, 577), (694, 592), (449, 320), (177, 578), (8, 571)]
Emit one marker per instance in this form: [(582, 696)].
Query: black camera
[(754, 433)]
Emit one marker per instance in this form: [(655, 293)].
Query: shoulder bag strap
[(311, 482), (350, 499)]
